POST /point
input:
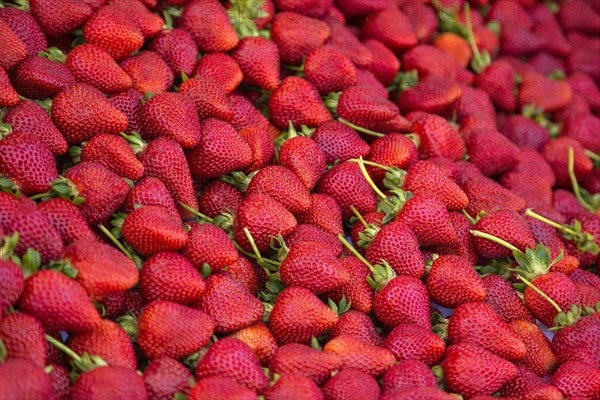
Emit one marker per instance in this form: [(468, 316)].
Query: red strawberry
[(453, 281), (218, 197), (366, 80), (108, 341), (23, 337), (261, 144), (61, 381), (430, 61), (417, 393), (11, 285), (22, 379), (524, 132), (123, 383), (232, 358), (296, 35), (339, 142), (324, 213), (359, 325), (38, 77), (392, 28), (433, 94), (208, 23), (298, 315), (129, 102), (487, 195), (282, 185), (222, 69), (27, 161), (290, 384), (556, 154), (503, 299), (346, 41), (385, 244), (566, 204), (305, 158), (547, 94), (498, 82), (351, 383), (258, 59), (364, 108), (357, 354), (147, 22), (578, 342), (437, 137), (244, 114), (309, 233), (178, 50), (346, 184), (172, 330), (208, 97), (579, 16), (354, 8), (576, 378), (164, 159), (413, 342), (517, 40), (101, 269), (211, 245), (14, 50), (114, 153), (539, 357), (92, 65), (217, 387), (583, 85), (465, 360), (260, 339), (507, 225), (384, 65), (28, 116), (313, 8), (164, 377), (404, 300), (527, 385), (426, 177), (491, 152), (57, 19), (9, 96), (58, 302), (150, 191), (392, 150), (329, 70), (297, 358), (408, 374), (357, 290), (584, 129), (24, 25), (148, 72), (81, 112), (556, 286)]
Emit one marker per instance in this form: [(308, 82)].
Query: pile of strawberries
[(299, 200)]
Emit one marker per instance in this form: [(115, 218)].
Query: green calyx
[(242, 14), (53, 54), (239, 180), (65, 267), (129, 323), (404, 81), (138, 145), (64, 188), (368, 234), (536, 114), (29, 263), (567, 318), (331, 101), (80, 363), (480, 59), (381, 273), (589, 202), (3, 351), (5, 130), (341, 307), (8, 186)]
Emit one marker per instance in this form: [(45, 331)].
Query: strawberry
[(385, 244), (304, 233), (416, 393), (384, 64), (249, 273), (147, 22), (305, 158), (413, 342), (429, 61), (108, 341), (404, 300), (578, 342), (324, 213), (178, 50), (507, 225), (346, 184), (113, 305), (9, 96), (23, 337), (504, 301), (244, 114), (149, 73), (61, 381), (351, 383), (123, 383), (314, 8), (208, 24), (27, 161), (329, 70), (358, 354), (474, 103), (218, 197), (497, 80), (164, 377), (464, 360), (57, 19), (584, 129), (22, 379), (258, 59), (208, 244), (24, 25), (346, 41), (547, 94), (38, 77), (583, 85), (426, 177), (222, 69), (359, 325), (566, 204), (164, 159), (229, 303), (527, 385), (208, 96), (556, 154), (577, 378), (12, 283), (452, 281), (81, 112), (151, 229), (152, 192), (300, 359), (260, 339), (392, 150), (171, 277), (232, 358), (384, 26), (579, 16), (92, 65), (487, 195), (354, 8), (491, 152), (583, 276), (114, 153), (408, 374), (366, 80), (517, 40), (14, 50), (437, 137), (290, 384), (365, 108), (556, 286), (217, 387), (298, 315), (297, 35), (270, 181), (433, 94), (539, 357), (161, 326), (129, 102), (261, 144), (112, 30), (298, 101), (28, 116), (58, 302), (339, 142), (524, 132), (457, 47), (581, 60)]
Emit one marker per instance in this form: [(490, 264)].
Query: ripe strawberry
[(208, 97), (556, 286), (517, 40), (81, 112), (385, 244), (114, 153), (123, 383), (556, 154), (384, 26), (232, 358), (417, 393), (507, 225), (147, 22), (172, 330), (392, 150), (367, 81), (304, 233), (218, 197), (487, 195), (346, 184), (244, 114), (584, 129), (112, 30), (211, 245), (329, 70), (565, 204), (358, 354), (583, 85), (359, 325), (282, 185), (351, 383), (432, 94), (497, 80), (579, 16), (297, 358), (178, 50), (578, 342), (524, 132), (11, 283), (314, 8), (39, 77), (151, 229), (527, 385), (413, 342), (384, 63), (298, 315), (108, 341), (576, 378), (504, 301), (491, 152), (249, 273), (24, 25), (339, 142), (149, 73), (305, 158), (164, 377), (364, 108), (290, 384), (260, 339), (425, 176), (354, 8), (437, 137), (452, 281), (22, 379), (129, 102), (261, 144), (462, 360), (14, 50), (217, 387), (57, 19), (27, 161), (9, 96), (23, 337), (222, 69), (408, 374), (92, 65), (58, 302), (583, 276), (547, 94), (404, 300), (150, 191), (539, 357), (357, 290), (324, 213), (297, 35), (61, 381), (208, 24), (258, 59)]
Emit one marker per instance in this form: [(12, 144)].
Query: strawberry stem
[(257, 254), (360, 217), (40, 196), (593, 156), (196, 213), (574, 183), (480, 60), (496, 240), (538, 291), (354, 252), (62, 347), (116, 241), (361, 165), (466, 214), (529, 212), (371, 164), (359, 128)]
